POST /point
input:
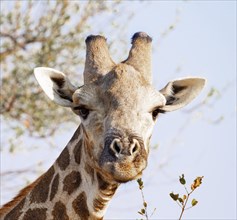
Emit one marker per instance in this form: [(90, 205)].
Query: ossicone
[(98, 60), (140, 55)]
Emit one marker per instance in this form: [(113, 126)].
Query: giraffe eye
[(84, 112)]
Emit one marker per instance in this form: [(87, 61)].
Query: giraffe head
[(117, 105)]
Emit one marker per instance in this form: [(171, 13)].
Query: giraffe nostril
[(135, 148), (116, 147), (119, 150)]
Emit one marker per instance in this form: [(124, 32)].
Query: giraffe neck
[(70, 189)]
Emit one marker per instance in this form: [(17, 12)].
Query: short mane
[(19, 196)]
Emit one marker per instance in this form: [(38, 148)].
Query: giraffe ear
[(179, 93), (56, 85)]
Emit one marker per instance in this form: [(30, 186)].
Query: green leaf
[(182, 180), (181, 200), (194, 202), (67, 17), (174, 196), (140, 183)]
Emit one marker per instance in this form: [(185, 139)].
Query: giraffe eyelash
[(82, 110), (80, 107), (157, 111)]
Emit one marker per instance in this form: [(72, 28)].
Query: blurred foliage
[(43, 33)]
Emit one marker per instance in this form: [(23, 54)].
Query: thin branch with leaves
[(144, 212), (182, 201)]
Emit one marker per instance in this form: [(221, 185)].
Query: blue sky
[(199, 140)]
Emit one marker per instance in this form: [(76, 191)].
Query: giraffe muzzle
[(124, 158)]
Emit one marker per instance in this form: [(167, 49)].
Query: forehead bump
[(140, 54), (98, 60)]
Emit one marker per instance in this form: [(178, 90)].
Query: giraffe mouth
[(124, 171), (125, 180)]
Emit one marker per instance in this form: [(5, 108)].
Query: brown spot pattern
[(59, 211), (99, 204), (35, 214), (54, 187), (106, 189), (109, 193), (76, 135), (88, 147), (90, 171), (71, 182), (77, 152), (80, 206), (16, 212), (41, 190), (21, 195), (64, 159), (103, 185)]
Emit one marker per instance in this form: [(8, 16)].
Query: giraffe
[(118, 108)]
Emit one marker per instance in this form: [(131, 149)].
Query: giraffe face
[(118, 113), (117, 104)]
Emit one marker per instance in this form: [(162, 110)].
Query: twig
[(185, 203), (182, 201)]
